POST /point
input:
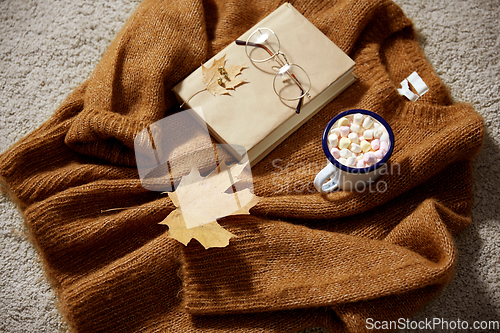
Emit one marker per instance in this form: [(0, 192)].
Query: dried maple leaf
[(200, 201), (209, 235), (211, 75)]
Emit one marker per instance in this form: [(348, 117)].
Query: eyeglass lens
[(268, 42), (291, 82)]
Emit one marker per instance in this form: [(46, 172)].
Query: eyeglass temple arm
[(242, 42), (297, 82)]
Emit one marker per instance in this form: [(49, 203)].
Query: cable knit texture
[(300, 259)]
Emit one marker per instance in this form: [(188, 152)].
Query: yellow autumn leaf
[(211, 75), (200, 201), (209, 235)]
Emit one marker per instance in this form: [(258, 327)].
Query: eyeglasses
[(291, 81)]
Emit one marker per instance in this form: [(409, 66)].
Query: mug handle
[(320, 181)]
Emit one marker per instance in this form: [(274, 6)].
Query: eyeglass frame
[(275, 56)]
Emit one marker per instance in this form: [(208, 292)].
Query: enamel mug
[(339, 176)]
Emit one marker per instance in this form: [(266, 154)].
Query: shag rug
[(47, 48)]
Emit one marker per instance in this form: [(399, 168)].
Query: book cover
[(253, 116)]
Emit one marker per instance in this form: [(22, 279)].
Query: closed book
[(253, 116)]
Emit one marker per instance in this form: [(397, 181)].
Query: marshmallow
[(375, 144), (357, 119), (335, 131), (368, 122), (379, 154), (368, 134), (384, 146), (385, 137), (360, 164), (335, 153), (376, 125), (344, 131), (345, 153), (370, 158), (350, 161), (378, 133), (342, 160), (353, 137), (365, 146), (344, 143), (355, 128), (359, 157), (333, 140), (343, 121), (355, 148)]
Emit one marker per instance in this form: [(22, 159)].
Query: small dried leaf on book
[(211, 76), (200, 201)]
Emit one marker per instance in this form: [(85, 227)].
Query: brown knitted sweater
[(301, 259)]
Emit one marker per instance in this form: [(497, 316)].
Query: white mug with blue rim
[(339, 176)]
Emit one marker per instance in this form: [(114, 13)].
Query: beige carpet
[(47, 48)]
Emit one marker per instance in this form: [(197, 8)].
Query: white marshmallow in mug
[(355, 128), (351, 161), (355, 148), (345, 153), (385, 137), (333, 140), (353, 137), (377, 133), (357, 119), (335, 131), (368, 134), (368, 122)]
